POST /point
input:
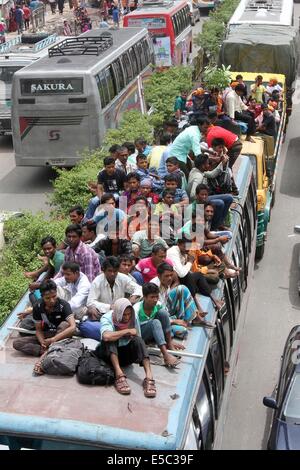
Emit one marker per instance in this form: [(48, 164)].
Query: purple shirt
[(87, 259)]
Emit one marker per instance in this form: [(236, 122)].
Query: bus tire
[(259, 253), (28, 38)]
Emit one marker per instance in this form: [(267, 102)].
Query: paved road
[(21, 187), (273, 308)]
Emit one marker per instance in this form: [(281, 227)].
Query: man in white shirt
[(109, 287), (122, 162), (73, 287), (236, 109)]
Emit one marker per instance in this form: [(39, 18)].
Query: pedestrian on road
[(53, 6), (115, 15), (60, 6), (19, 19), (26, 16)]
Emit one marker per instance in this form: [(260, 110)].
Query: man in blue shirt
[(189, 141), (115, 15)]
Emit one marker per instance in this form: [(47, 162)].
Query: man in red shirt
[(26, 16), (231, 140)]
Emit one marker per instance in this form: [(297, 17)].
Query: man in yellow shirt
[(258, 90)]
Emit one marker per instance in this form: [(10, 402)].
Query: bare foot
[(175, 346), (171, 361)]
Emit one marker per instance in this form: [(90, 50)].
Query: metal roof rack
[(89, 45)]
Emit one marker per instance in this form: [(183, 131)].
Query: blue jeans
[(138, 277), (157, 328), (93, 204), (221, 202), (90, 329)]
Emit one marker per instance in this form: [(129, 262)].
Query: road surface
[(274, 304)]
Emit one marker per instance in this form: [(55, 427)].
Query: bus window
[(127, 68), (226, 317), (175, 25), (134, 63), (187, 17), (110, 83), (146, 48), (141, 56), (206, 413), (197, 428), (119, 76), (103, 89), (138, 55), (215, 365)]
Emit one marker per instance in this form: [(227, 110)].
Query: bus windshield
[(6, 76)]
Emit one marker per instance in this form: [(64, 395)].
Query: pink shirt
[(147, 268)]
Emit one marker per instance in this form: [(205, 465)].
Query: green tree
[(162, 89), (71, 186)]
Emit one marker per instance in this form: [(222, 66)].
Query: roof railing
[(6, 47), (89, 45), (45, 42)]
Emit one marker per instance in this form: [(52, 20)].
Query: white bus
[(64, 103), (264, 12), (14, 55)]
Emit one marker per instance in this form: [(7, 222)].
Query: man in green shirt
[(180, 104), (189, 142), (52, 262), (155, 323)]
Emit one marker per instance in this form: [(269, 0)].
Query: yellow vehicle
[(265, 154)]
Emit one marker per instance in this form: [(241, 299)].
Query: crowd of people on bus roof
[(151, 239)]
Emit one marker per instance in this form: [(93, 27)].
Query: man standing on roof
[(258, 90), (189, 141)]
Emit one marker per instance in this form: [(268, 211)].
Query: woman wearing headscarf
[(122, 345)]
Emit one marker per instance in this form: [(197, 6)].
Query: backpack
[(62, 357), (94, 371)]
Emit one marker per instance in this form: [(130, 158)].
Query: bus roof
[(157, 8), (85, 62), (58, 407), (61, 409), (263, 12)]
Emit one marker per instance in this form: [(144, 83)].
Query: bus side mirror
[(270, 402)]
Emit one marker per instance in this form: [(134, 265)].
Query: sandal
[(122, 385), (149, 388), (172, 365)]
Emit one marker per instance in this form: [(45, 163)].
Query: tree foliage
[(214, 30), (214, 76), (70, 186), (23, 236), (162, 89)]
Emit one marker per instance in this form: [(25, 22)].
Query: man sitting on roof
[(122, 345), (54, 321), (155, 324), (178, 301)]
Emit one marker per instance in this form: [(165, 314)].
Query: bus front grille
[(54, 120)]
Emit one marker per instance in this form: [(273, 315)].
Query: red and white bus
[(169, 24)]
